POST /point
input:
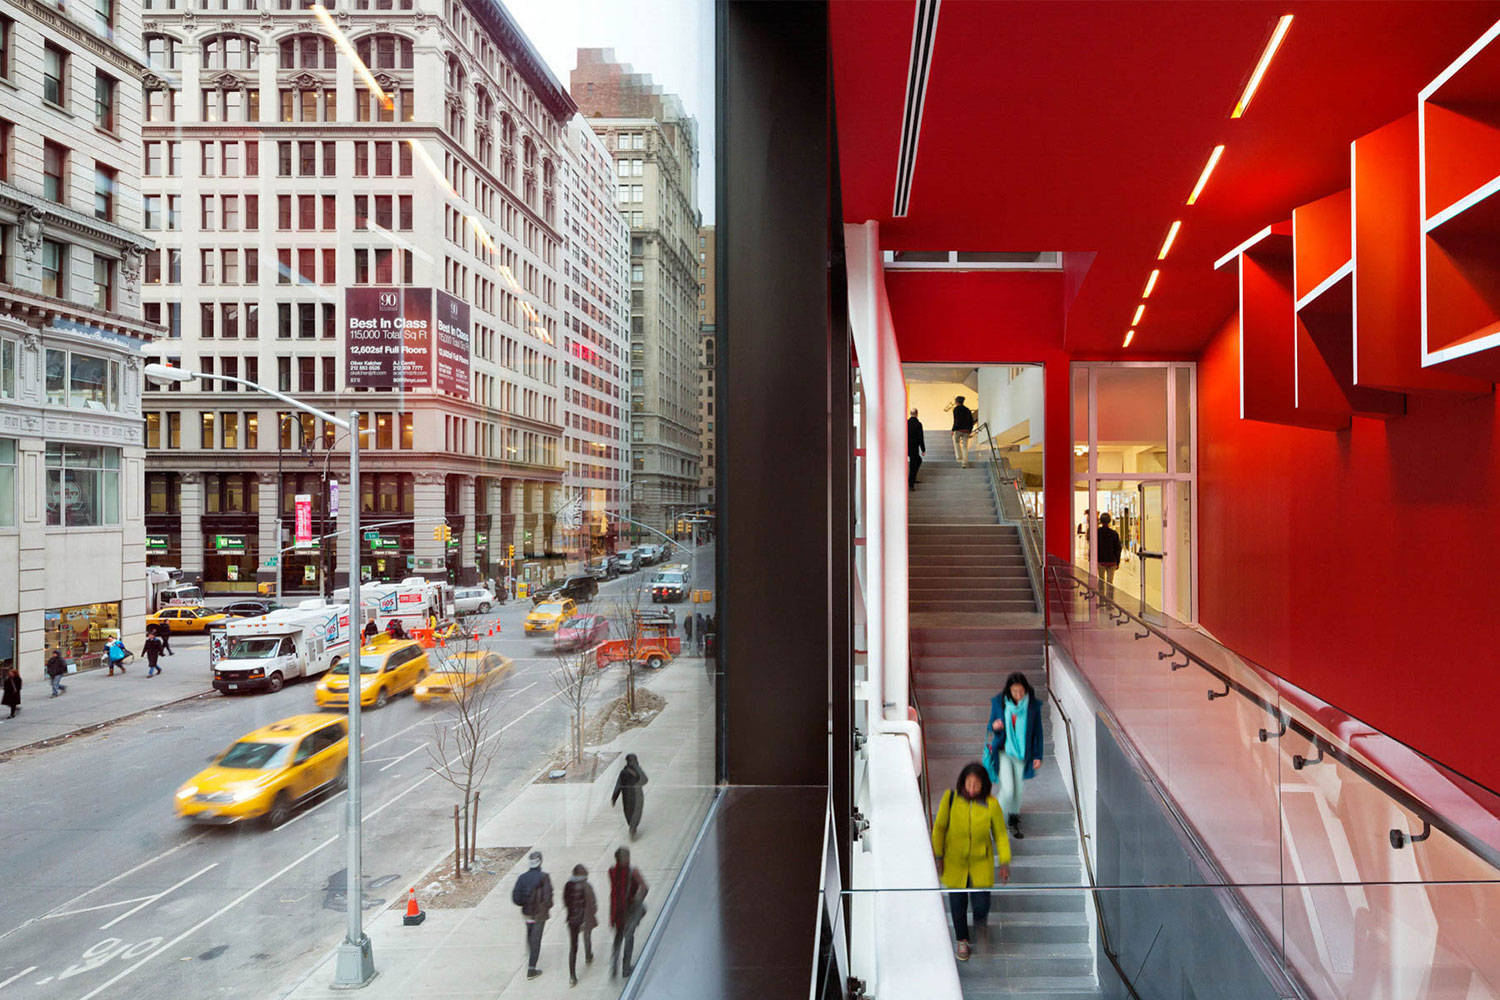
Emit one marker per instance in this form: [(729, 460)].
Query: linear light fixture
[(1151, 283), (1265, 62), (1140, 311), (1128, 338), (1208, 168), (1166, 246)]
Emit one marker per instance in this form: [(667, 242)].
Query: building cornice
[(72, 220), (34, 309), (130, 62)]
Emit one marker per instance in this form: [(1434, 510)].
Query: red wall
[(1360, 564)]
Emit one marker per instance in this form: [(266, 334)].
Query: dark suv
[(577, 588)]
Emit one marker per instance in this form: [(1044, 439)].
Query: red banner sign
[(304, 537)]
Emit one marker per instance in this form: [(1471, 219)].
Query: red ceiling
[(1082, 126)]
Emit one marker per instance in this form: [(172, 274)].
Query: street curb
[(95, 727)]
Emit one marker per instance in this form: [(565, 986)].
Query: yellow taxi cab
[(268, 771), (387, 667), (545, 617), (186, 618), (462, 672)]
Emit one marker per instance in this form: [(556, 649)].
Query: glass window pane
[(57, 378), (1184, 443), (1132, 419), (88, 382)]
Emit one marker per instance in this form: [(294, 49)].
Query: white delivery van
[(411, 600), (164, 588), (261, 654)]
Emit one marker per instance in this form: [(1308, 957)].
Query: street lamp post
[(355, 961)]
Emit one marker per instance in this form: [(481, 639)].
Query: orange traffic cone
[(414, 913)]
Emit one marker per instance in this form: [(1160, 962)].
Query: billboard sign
[(333, 498), (388, 338), (304, 520), (451, 344)]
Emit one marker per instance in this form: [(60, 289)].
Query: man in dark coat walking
[(152, 651), (963, 429), (1109, 549), (583, 917), (10, 690), (57, 669), (916, 447), (628, 786), (687, 628), (627, 905), (533, 894)]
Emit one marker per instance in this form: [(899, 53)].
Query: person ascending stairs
[(1014, 750)]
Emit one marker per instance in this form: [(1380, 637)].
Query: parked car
[(650, 554), (462, 671), (574, 588), (547, 616), (604, 568), (186, 619), (629, 560), (473, 601), (268, 771), (250, 609), (387, 667), (581, 632)]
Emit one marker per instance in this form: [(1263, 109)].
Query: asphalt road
[(106, 893)]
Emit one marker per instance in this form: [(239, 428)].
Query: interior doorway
[(1134, 458)]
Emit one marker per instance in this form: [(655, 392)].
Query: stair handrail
[(1008, 485), (1407, 800)]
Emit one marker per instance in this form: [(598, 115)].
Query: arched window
[(385, 51), (308, 52), (161, 51), (507, 130), (528, 153), (455, 74), (230, 52)]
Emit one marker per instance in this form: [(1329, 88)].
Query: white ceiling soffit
[(924, 32)]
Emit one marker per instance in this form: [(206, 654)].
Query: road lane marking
[(294, 863), (159, 895), (101, 906), (88, 892), (399, 759), (18, 975)]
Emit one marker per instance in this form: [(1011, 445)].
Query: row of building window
[(236, 430), (236, 158)]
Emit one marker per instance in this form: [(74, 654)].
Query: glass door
[(1134, 444)]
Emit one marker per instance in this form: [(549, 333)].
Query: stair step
[(974, 974), (1055, 959), (1036, 903), (1056, 928), (1044, 869), (971, 607), (1003, 586)]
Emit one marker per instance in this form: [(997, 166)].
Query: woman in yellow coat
[(969, 840)]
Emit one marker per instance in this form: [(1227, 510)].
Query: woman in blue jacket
[(1014, 751)]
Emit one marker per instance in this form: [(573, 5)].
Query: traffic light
[(442, 533), (510, 552)]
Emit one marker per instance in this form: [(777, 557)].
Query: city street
[(109, 894)]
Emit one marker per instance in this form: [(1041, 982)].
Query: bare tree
[(462, 747), (576, 679), (629, 646)]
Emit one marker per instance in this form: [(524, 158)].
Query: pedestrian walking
[(687, 628), (968, 839), (371, 629), (963, 429), (57, 669), (164, 633), (10, 690), (1014, 751), (916, 447), (533, 894), (627, 905), (628, 786), (115, 654), (583, 917), (152, 651), (1109, 549)]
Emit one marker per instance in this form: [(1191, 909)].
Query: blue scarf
[(1015, 727)]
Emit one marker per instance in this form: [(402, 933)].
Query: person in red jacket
[(627, 905)]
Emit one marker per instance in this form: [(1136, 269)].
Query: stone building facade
[(72, 462)]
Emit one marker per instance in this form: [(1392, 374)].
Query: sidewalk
[(481, 951), (94, 698)]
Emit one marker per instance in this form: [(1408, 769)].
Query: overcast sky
[(670, 39)]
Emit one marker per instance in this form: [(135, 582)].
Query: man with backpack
[(963, 429), (533, 894)]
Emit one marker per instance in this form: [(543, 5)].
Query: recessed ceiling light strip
[(924, 33), (1264, 64)]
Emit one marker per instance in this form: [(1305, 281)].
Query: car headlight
[(187, 791), (243, 794)]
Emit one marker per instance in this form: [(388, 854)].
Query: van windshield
[(669, 578), (259, 648), (255, 756)]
